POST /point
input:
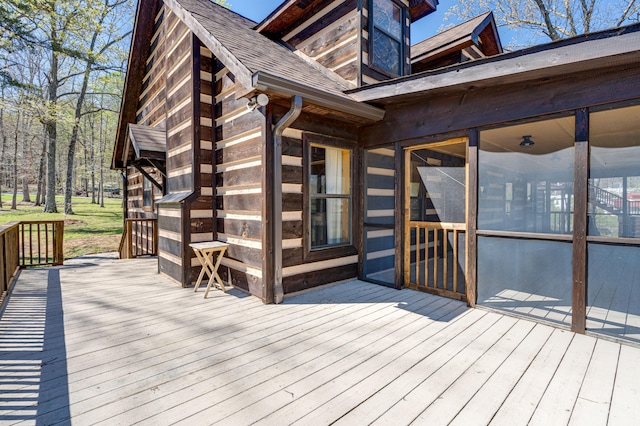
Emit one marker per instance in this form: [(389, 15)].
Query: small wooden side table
[(206, 252)]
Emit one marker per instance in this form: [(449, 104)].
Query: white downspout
[(285, 122)]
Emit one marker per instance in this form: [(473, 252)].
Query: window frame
[(338, 250), (403, 34)]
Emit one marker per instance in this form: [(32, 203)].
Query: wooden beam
[(471, 246), (511, 102), (580, 221), (148, 176)]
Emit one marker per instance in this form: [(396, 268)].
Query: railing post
[(59, 243), (130, 239)]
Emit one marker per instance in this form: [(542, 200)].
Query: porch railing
[(28, 243), (434, 258), (140, 238)]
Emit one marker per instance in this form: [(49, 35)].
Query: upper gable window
[(386, 36)]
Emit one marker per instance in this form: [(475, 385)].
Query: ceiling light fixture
[(527, 142)]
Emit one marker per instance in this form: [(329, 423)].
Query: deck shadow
[(33, 358)]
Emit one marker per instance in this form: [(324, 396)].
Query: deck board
[(102, 341)]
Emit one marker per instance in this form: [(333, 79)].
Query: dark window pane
[(386, 52), (330, 171), (388, 17), (147, 192), (330, 218)]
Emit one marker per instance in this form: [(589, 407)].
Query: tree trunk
[(43, 157), (26, 198), (14, 198), (3, 138), (93, 161), (68, 209), (52, 133)]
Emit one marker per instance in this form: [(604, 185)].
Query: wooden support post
[(471, 245), (581, 192)]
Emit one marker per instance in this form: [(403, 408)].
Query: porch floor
[(105, 341)]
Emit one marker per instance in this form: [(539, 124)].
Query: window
[(147, 193), (386, 35), (329, 196)]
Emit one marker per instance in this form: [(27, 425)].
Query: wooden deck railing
[(41, 242), (140, 238), (436, 267), (28, 243)]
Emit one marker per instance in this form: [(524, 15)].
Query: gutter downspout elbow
[(283, 124)]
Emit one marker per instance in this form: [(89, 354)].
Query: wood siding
[(329, 35), (239, 176)]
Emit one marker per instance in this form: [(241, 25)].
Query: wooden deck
[(103, 341)]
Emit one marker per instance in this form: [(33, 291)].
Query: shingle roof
[(255, 52), (148, 141), (449, 37)]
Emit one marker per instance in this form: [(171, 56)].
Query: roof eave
[(265, 82), (538, 62)]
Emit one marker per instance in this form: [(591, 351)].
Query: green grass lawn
[(92, 229)]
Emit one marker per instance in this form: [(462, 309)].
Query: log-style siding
[(239, 176)]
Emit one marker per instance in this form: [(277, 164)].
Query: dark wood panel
[(292, 174), (239, 152), (169, 268), (180, 183), (178, 97), (331, 38), (170, 246), (246, 282), (246, 176), (340, 55), (292, 202), (242, 124), (292, 257), (170, 224), (244, 228), (202, 203), (291, 229), (349, 72), (229, 105), (177, 161), (509, 102), (201, 225), (246, 255), (335, 15), (292, 147), (316, 278), (206, 180), (181, 137), (179, 117), (250, 202), (207, 88), (206, 135)]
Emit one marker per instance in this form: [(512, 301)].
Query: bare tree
[(538, 20), (93, 56)]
